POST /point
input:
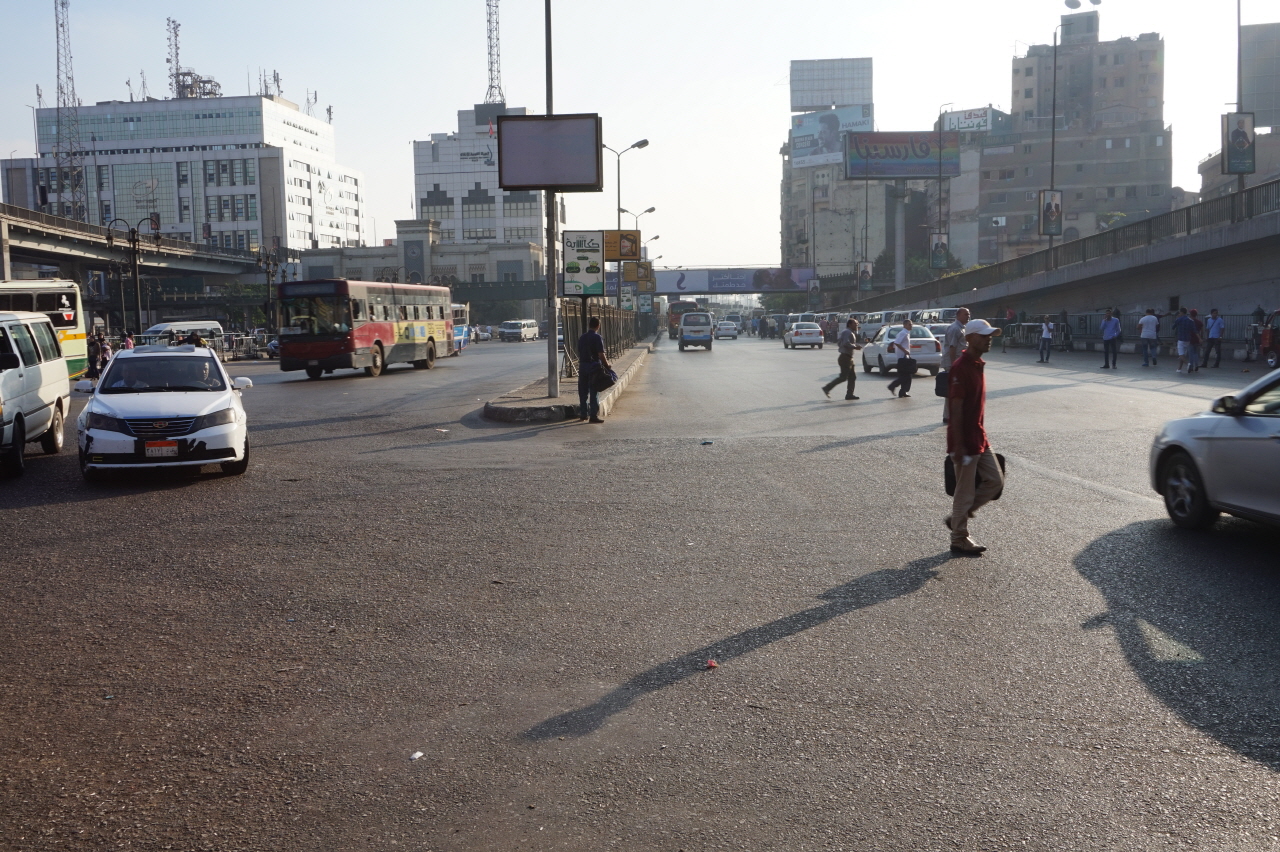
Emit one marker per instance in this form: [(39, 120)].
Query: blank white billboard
[(826, 83), (557, 152)]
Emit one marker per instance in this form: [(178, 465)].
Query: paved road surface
[(249, 663)]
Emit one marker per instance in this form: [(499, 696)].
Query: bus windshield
[(315, 315)]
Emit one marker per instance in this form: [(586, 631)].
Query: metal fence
[(620, 330), (1240, 329)]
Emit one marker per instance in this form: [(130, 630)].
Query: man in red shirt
[(978, 476)]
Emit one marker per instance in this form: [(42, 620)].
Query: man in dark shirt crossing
[(591, 359), (847, 342), (967, 442)]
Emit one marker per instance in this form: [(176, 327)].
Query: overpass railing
[(64, 224), (1236, 207)]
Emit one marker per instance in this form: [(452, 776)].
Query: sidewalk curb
[(547, 412)]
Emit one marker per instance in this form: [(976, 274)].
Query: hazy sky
[(705, 81)]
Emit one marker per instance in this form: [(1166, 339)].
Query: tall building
[(1113, 157), (239, 172), (455, 176)]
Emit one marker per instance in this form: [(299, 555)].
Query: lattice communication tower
[(68, 152), (494, 95)]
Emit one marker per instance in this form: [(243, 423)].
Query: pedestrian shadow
[(868, 439), (867, 590), (1197, 616)]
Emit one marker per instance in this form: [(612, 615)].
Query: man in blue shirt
[(1110, 340), (1213, 329), (1184, 328), (591, 359)]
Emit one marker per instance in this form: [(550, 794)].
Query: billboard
[(1050, 212), (968, 120), (824, 83), (646, 303), (1238, 144), (939, 246), (875, 156), (583, 258), (678, 281), (866, 269), (557, 152), (621, 245), (815, 136)]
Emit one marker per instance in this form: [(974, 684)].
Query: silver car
[(1226, 459)]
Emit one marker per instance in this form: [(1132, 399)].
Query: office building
[(240, 172)]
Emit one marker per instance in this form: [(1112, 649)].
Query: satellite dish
[(1073, 4)]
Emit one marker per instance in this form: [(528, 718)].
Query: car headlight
[(217, 418), (108, 423)]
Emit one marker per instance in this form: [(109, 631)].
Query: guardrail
[(617, 327), (1082, 329)]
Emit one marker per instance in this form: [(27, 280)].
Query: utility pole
[(68, 152), (553, 240), (900, 234)]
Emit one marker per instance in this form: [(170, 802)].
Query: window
[(1030, 195), (46, 340), (479, 233), (1159, 141), (1028, 115), (521, 233), (26, 346), (224, 173), (1130, 192), (1155, 189), (239, 207), (1026, 172), (1031, 71), (224, 214), (250, 172), (106, 211), (210, 173), (1102, 82), (1028, 93), (184, 209), (1128, 143), (1007, 174), (252, 203), (999, 198), (1146, 55), (1102, 60), (477, 278), (1115, 168), (1079, 196), (210, 208), (1118, 60), (436, 211), (237, 172), (1026, 149), (510, 276), (1119, 83), (1107, 144), (1111, 192), (986, 175)]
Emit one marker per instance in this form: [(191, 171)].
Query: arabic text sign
[(583, 256), (875, 156), (968, 120), (691, 281), (815, 136)]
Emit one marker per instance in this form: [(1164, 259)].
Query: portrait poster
[(1050, 212), (1238, 154)]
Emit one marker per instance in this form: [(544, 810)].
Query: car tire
[(51, 441), (314, 372), (883, 371), (866, 368), (819, 346), (1185, 498), (15, 462), (708, 347), (236, 468), (375, 369)]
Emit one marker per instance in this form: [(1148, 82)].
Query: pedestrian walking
[(1149, 335), (93, 358), (591, 359), (967, 442), (105, 352), (1046, 339), (906, 364), (1197, 337), (1214, 326), (127, 343), (1110, 340), (847, 342), (1184, 328), (952, 346)]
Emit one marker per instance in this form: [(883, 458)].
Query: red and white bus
[(334, 324), (674, 310)]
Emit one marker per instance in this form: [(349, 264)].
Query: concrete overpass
[(1222, 253)]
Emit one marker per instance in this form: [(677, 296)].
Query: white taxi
[(925, 349), (163, 406), (803, 334)]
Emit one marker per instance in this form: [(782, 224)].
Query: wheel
[(681, 347), (51, 441), (235, 468), (375, 369), (314, 372), (880, 359), (1184, 494), (15, 457), (1272, 358), (430, 361), (89, 474), (819, 346), (708, 347), (866, 368)]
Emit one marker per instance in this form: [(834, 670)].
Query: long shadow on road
[(868, 590), (1197, 616)]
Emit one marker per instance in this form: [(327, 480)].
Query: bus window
[(17, 302), (357, 309), (316, 314)]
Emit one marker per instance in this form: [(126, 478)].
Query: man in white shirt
[(952, 345), (901, 346), (1214, 326), (1046, 339), (1149, 334)]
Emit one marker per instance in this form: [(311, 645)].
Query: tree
[(784, 303)]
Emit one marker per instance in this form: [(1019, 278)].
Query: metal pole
[(1053, 124), (137, 281), (900, 234), (1239, 88), (553, 239)]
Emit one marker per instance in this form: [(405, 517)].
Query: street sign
[(646, 303)]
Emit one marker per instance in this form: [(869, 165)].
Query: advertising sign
[(679, 281), (644, 270), (815, 137), (815, 293), (875, 156), (646, 303), (583, 258), (1238, 144), (1050, 212), (821, 83), (621, 245), (558, 152), (627, 300), (866, 269), (968, 120), (939, 245)]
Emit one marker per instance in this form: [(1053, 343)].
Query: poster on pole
[(939, 249), (1050, 212), (646, 303), (583, 258), (866, 269), (627, 299), (621, 245), (1238, 140)]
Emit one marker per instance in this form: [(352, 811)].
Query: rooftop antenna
[(328, 111), (39, 97), (129, 85), (310, 103), (143, 94), (275, 78), (68, 151), (172, 59), (494, 95)]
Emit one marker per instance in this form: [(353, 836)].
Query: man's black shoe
[(853, 397), (904, 396), (826, 390), (595, 420)]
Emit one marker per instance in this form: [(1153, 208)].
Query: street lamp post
[(636, 215), (134, 237), (643, 143)]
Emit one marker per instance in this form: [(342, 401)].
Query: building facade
[(455, 177), (240, 172)]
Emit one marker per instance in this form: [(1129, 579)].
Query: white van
[(518, 330), (873, 322), (34, 389), (173, 333), (697, 328)]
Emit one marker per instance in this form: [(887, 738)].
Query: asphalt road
[(251, 662)]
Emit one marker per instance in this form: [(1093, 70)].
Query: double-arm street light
[(636, 215), (134, 237), (643, 143)]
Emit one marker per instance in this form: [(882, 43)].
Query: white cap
[(980, 326)]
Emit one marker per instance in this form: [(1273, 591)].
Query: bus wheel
[(314, 372), (430, 360), (375, 369)]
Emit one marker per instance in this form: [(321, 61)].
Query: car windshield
[(162, 373), (315, 315), (511, 325), (806, 326)]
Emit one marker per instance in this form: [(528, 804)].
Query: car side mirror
[(9, 361), (241, 382), (1225, 405), (84, 386)]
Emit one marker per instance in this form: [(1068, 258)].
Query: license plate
[(162, 449)]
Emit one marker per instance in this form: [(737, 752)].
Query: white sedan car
[(925, 349), (726, 328), (803, 334), (1225, 459), (163, 406)]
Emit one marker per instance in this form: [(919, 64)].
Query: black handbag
[(942, 383), (949, 476), (603, 379)]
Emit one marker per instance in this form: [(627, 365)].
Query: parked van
[(518, 330), (173, 333), (873, 322), (34, 389), (697, 328)]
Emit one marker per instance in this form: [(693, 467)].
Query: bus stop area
[(531, 403)]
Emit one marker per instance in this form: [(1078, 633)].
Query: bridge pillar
[(6, 266), (900, 234)]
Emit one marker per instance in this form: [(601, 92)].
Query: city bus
[(674, 310), (60, 301), (335, 324), (461, 327)]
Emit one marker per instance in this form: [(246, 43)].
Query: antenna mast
[(68, 151), (494, 95), (172, 59)]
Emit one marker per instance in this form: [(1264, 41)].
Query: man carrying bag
[(906, 364), (978, 475), (591, 360)]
